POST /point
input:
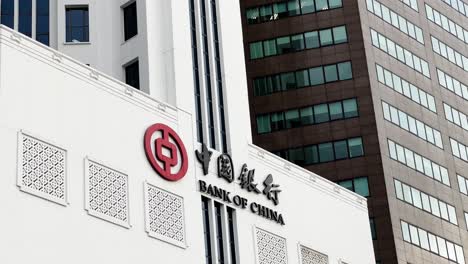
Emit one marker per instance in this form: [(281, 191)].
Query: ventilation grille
[(309, 256), (165, 215), (107, 194), (271, 249), (41, 169)]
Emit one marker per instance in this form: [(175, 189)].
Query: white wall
[(62, 103)]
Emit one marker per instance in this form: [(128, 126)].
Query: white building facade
[(97, 171)]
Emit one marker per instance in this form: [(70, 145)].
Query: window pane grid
[(358, 185), (459, 150), (316, 76), (432, 243), (423, 131), (309, 115), (449, 53), (420, 200), (460, 6), (452, 84), (395, 20), (272, 12), (421, 164), (456, 117), (451, 27), (403, 55)]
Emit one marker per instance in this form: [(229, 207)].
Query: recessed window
[(25, 17), (7, 13), (77, 24), (132, 75), (130, 21), (372, 226), (42, 21)]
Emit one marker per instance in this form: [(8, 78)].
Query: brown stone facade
[(364, 126)]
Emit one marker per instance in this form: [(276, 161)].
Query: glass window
[(288, 81), (331, 74), (283, 44), (297, 42), (269, 47), (316, 76), (326, 152), (405, 232), (339, 35), (425, 202), (260, 87), (311, 155), (253, 15), (263, 124), (336, 111), (321, 5), (294, 7), (335, 3), (302, 78), (42, 21), (414, 235), (292, 118), (25, 17), (326, 37), (132, 75), (296, 156), (312, 40), (341, 149), (361, 186), (280, 10), (130, 21), (407, 194), (256, 50), (350, 108), (274, 82), (398, 190), (7, 13), (372, 226), (347, 184), (434, 206), (307, 116), (416, 198), (307, 6), (266, 13), (321, 113), (277, 121), (433, 243), (77, 24), (355, 147), (345, 70), (424, 240)]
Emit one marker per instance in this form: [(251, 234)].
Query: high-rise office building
[(371, 94), (128, 140)]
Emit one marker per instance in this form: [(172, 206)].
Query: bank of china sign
[(159, 137)]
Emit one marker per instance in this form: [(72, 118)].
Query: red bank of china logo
[(163, 162)]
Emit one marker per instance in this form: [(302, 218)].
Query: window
[(456, 117), (447, 24), (25, 17), (412, 125), (395, 20), (298, 42), (405, 88), (462, 184), (433, 243), (412, 3), (324, 152), (288, 8), (132, 75), (217, 235), (372, 227), (358, 185), (459, 150), (309, 115), (452, 84), (423, 201), (458, 5), (130, 21), (302, 78), (42, 21), (403, 55), (417, 162), (449, 53), (77, 24), (7, 13)]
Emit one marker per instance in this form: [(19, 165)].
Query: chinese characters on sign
[(246, 181)]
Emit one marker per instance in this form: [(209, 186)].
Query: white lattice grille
[(309, 256), (107, 193), (42, 169), (165, 215), (271, 249)]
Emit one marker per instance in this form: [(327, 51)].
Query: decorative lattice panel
[(165, 215), (107, 193), (271, 249), (42, 169), (309, 256)]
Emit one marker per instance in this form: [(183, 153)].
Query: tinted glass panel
[(355, 147), (292, 119), (7, 13), (288, 81), (330, 73), (77, 24), (350, 108), (256, 50), (321, 113), (316, 76), (341, 149), (283, 44), (307, 6), (25, 17), (345, 70), (312, 40), (130, 21), (307, 116), (311, 155), (326, 37), (269, 47), (302, 78), (336, 111), (361, 186), (297, 42), (339, 35), (294, 7), (132, 75), (42, 21)]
